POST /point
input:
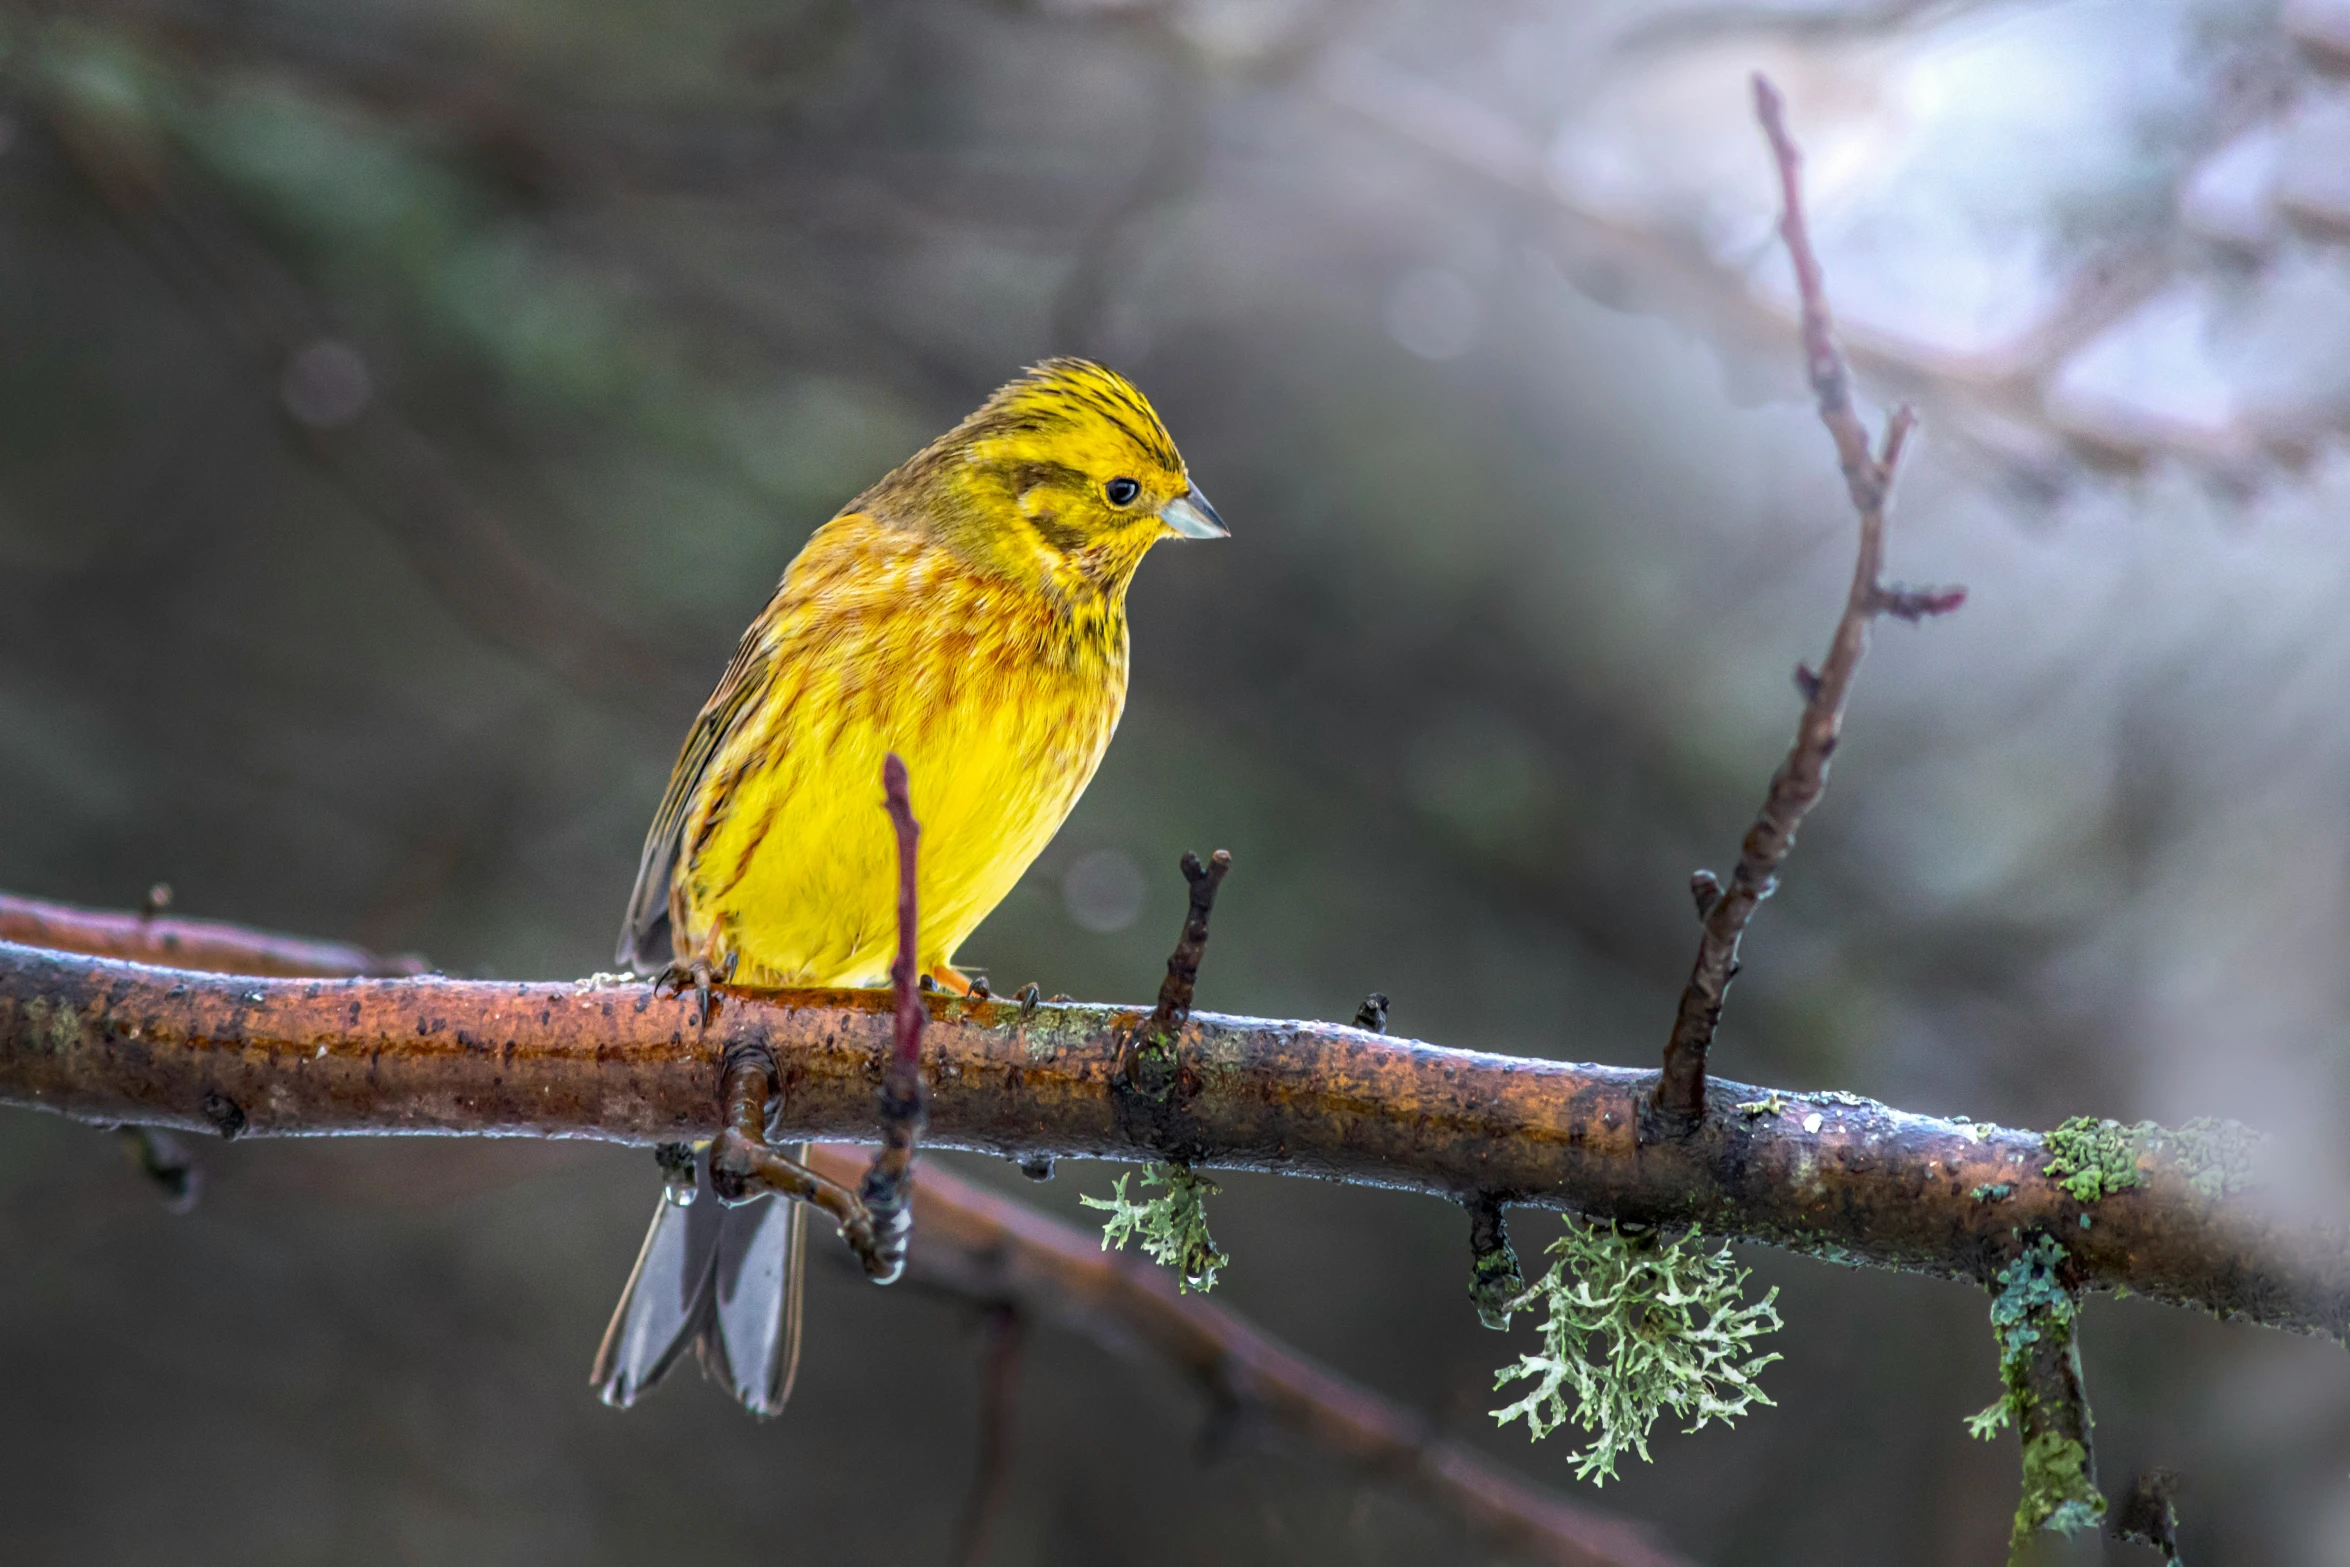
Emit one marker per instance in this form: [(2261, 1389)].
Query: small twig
[(2150, 1514), (999, 1396), (1796, 787), (2060, 1491), (2035, 1320), (1174, 1006), (163, 1159), (903, 1108), (1150, 1052), (1495, 1283)]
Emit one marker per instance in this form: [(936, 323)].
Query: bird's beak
[(1190, 515)]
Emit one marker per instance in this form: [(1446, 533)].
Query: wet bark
[(1833, 1176)]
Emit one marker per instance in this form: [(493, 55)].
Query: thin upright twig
[(1150, 1057), (903, 1106), (1796, 786)]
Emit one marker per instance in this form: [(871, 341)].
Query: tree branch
[(1829, 1175), (1797, 785), (981, 1247)]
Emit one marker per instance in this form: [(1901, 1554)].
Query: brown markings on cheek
[(1030, 485), (1060, 535)]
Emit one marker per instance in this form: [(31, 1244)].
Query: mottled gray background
[(1454, 310)]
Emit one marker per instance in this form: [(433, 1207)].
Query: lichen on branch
[(2090, 1157), (1173, 1226), (2033, 1319), (1636, 1324)]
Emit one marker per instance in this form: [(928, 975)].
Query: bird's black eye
[(1121, 491)]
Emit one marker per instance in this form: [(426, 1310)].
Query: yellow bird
[(969, 613)]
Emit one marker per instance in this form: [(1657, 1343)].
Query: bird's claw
[(700, 974)]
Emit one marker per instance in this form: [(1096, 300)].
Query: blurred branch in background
[(1006, 1332), (2011, 402), (1023, 1266), (337, 413), (190, 944)]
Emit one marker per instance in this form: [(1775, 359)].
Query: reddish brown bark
[(1829, 1175)]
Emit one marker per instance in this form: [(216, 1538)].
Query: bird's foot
[(700, 975)]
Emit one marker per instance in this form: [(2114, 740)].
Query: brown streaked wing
[(645, 943)]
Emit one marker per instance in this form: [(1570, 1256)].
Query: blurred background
[(404, 404)]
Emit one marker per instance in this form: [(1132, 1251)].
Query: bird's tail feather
[(725, 1282)]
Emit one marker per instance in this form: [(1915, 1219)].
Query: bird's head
[(1063, 476)]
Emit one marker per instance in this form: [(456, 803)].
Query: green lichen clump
[(2031, 1300), (1635, 1325), (2057, 1492), (2033, 1306), (1173, 1226), (2091, 1158)]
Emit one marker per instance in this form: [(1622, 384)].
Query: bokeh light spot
[(1103, 890), (326, 385)]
